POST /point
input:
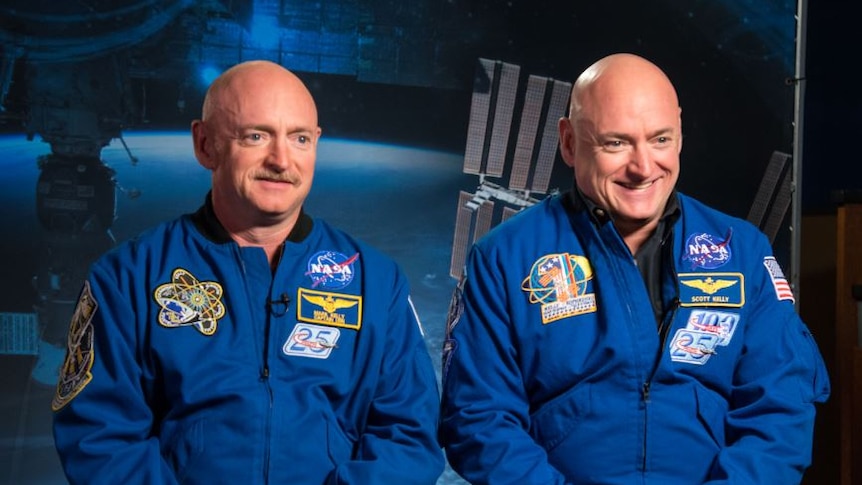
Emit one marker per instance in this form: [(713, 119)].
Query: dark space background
[(833, 104), (832, 115)]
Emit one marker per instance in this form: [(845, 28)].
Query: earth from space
[(400, 199)]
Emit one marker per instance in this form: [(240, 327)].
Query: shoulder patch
[(779, 282), (75, 373), (453, 316)]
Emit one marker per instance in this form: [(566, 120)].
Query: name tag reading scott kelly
[(711, 289)]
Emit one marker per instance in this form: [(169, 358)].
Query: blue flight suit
[(555, 371), (191, 361)]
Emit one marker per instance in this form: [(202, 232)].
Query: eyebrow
[(625, 136), (271, 129), (662, 131), (255, 127)]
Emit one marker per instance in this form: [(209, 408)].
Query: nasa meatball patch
[(703, 250), (330, 270)]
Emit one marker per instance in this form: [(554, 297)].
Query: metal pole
[(796, 188)]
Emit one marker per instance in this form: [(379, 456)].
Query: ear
[(202, 145), (567, 141)]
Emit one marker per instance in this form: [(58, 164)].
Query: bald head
[(618, 75), (258, 136), (252, 77), (623, 138)]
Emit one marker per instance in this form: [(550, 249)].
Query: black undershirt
[(652, 254)]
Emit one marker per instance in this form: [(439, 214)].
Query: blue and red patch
[(707, 251)]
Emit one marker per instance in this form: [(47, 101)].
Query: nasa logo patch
[(706, 251), (330, 269)]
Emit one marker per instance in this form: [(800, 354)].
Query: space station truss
[(503, 108)]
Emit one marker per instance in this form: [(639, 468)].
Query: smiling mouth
[(641, 186)]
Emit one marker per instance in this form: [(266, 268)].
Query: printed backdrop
[(99, 96)]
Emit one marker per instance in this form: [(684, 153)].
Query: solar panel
[(550, 137), (463, 218), (531, 115), (508, 212), (782, 201), (483, 219), (19, 334), (503, 112), (496, 96), (480, 106), (768, 184)]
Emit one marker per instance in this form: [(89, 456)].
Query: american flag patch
[(782, 287)]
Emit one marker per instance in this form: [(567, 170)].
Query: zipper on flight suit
[(264, 370), (663, 330)]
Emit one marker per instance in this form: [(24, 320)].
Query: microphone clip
[(278, 306)]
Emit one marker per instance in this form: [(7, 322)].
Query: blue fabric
[(555, 373), (336, 386)]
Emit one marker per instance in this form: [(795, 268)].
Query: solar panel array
[(495, 103)]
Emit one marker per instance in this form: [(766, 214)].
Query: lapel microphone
[(278, 306)]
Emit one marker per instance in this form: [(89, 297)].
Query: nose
[(640, 164), (280, 157)]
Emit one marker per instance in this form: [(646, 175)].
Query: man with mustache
[(248, 342), (622, 332)]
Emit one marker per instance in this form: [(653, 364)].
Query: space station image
[(439, 122)]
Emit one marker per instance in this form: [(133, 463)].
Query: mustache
[(272, 176)]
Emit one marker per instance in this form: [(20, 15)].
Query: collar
[(208, 224), (601, 216)]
